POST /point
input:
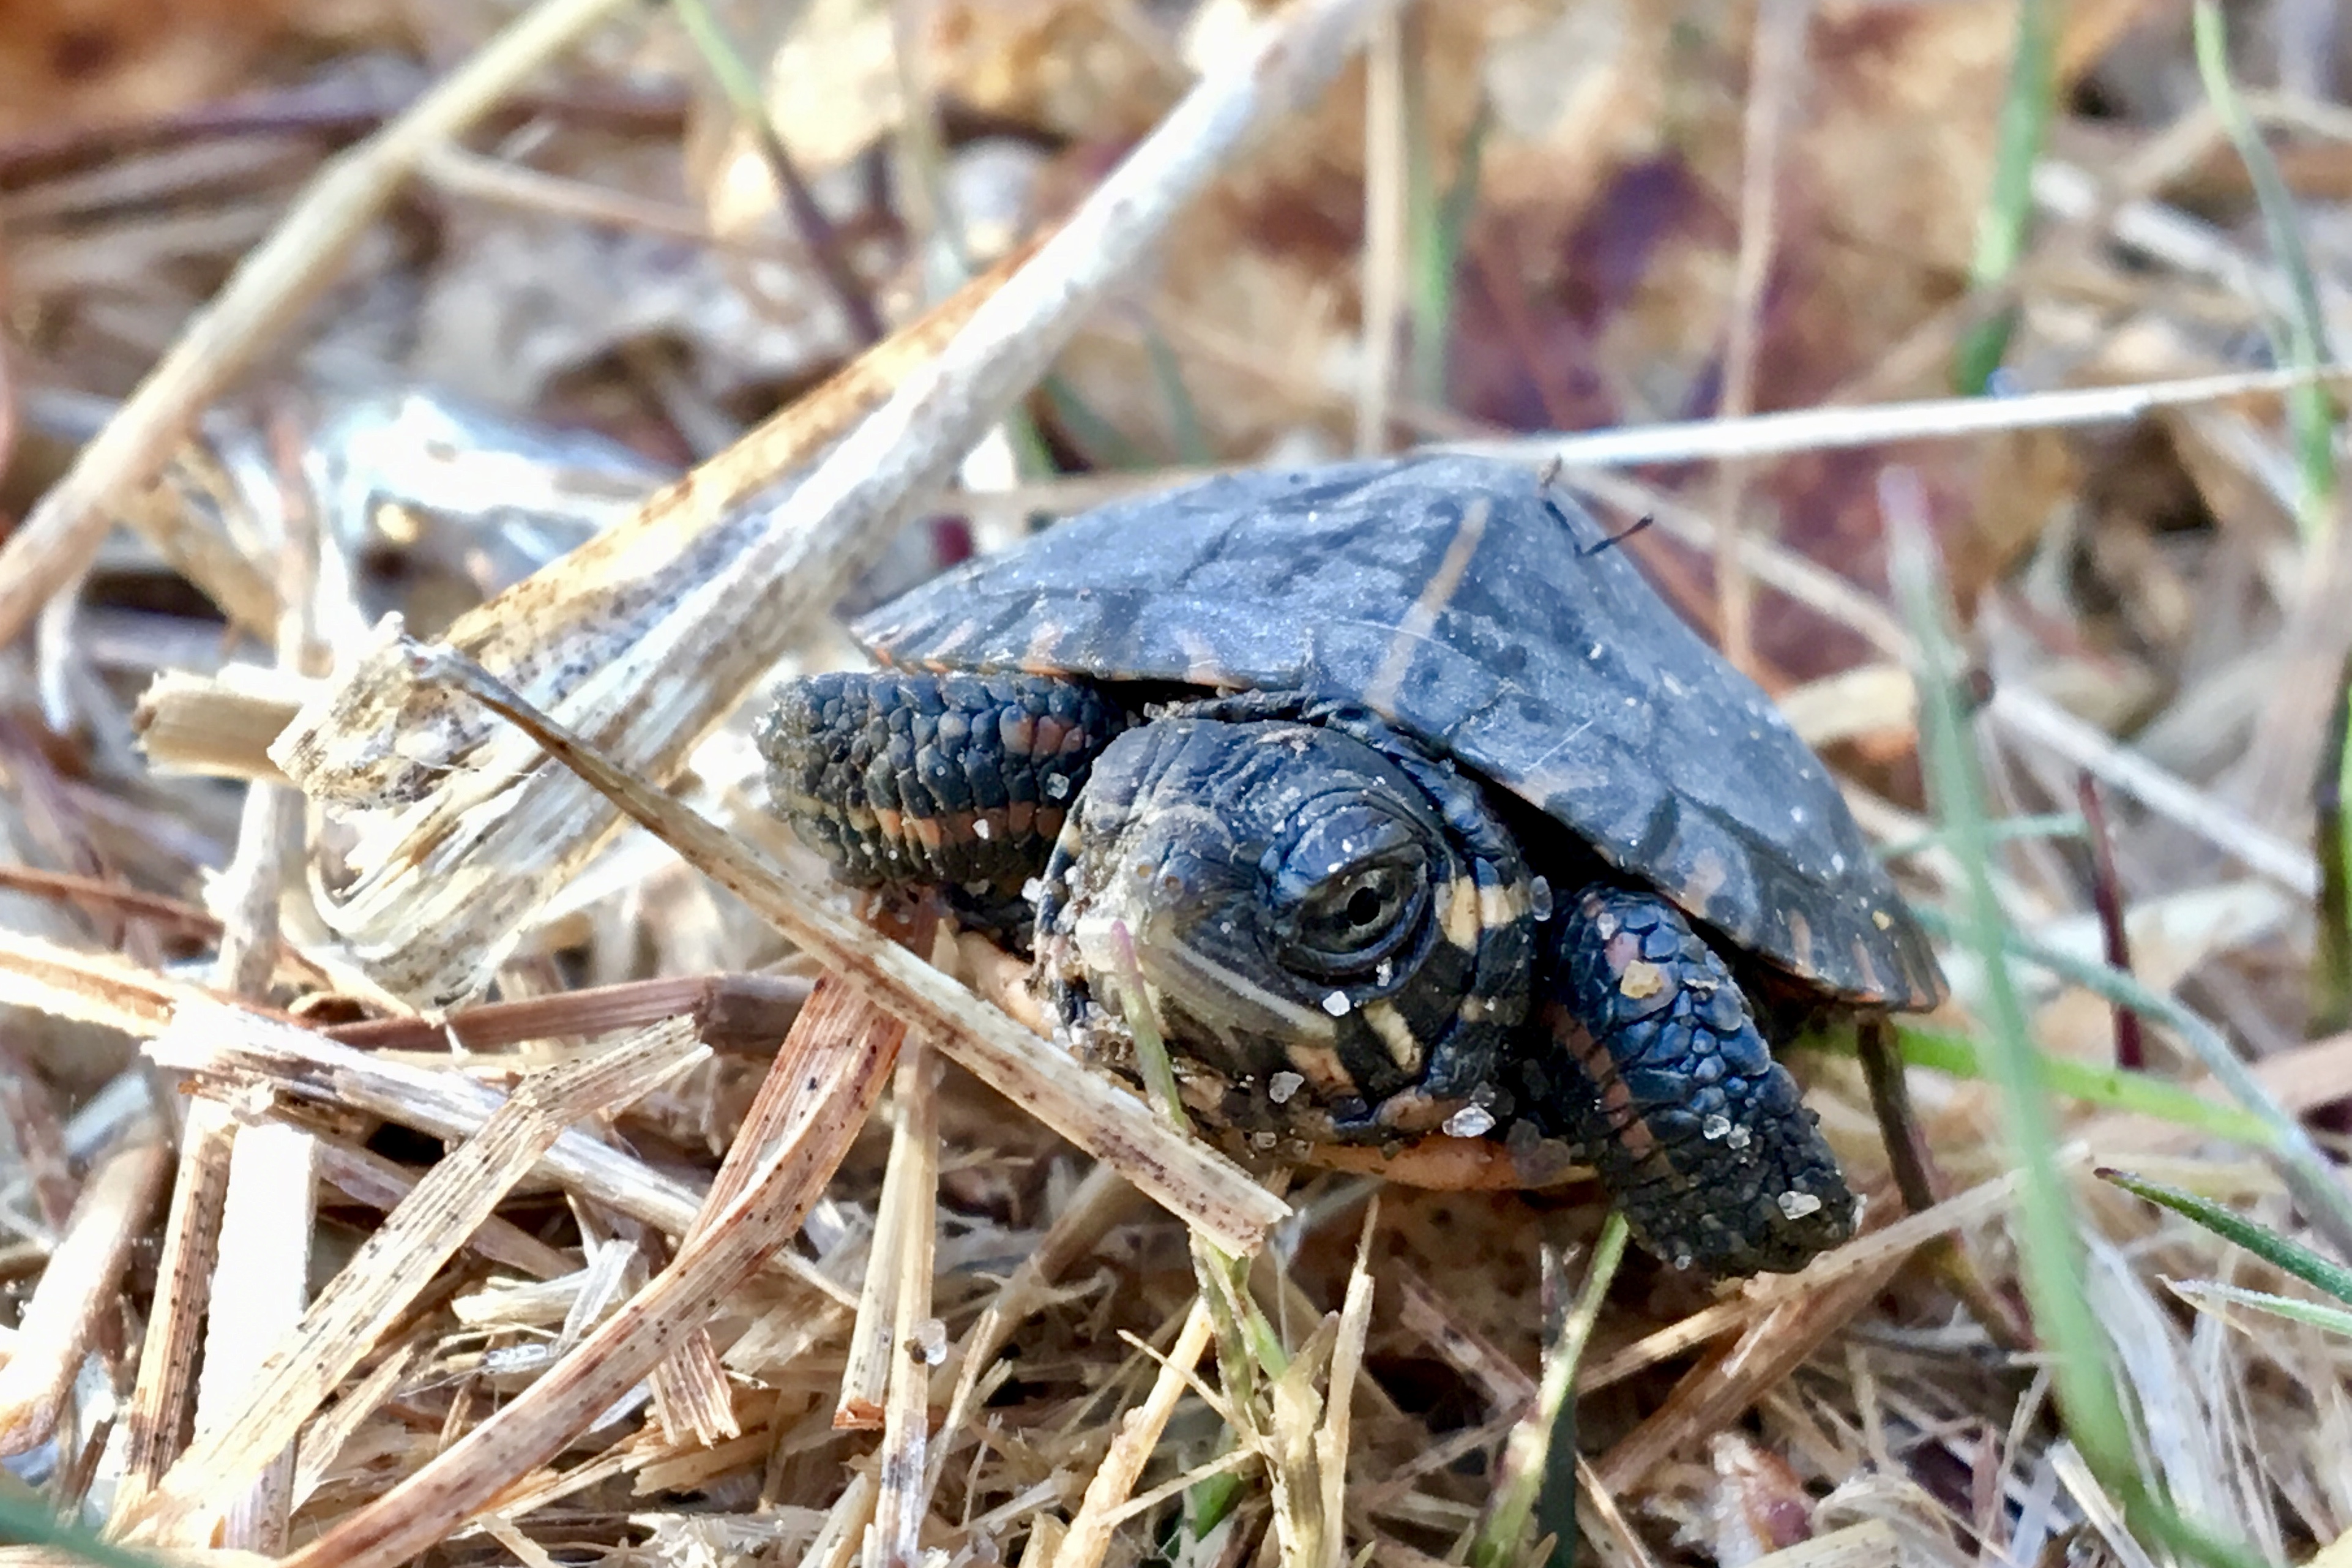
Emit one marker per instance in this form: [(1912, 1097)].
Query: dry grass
[(413, 1149)]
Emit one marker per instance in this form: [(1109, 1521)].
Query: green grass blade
[(25, 1523), (739, 81), (2343, 845), (2335, 1320), (2320, 1273), (2331, 954), (1208, 1503), (2052, 1260), (1248, 1350), (2051, 1264), (2050, 1243), (1527, 1453), (2008, 211), (1103, 443), (2309, 409), (1150, 1050), (2315, 1182), (1192, 436), (2054, 825), (2113, 1088), (1437, 228)]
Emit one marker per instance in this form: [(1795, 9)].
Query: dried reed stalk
[(164, 1395), (83, 1278), (830, 1071), (1212, 1196), (261, 1272), (1138, 1434), (895, 1541), (649, 636), (909, 1182), (398, 1259)]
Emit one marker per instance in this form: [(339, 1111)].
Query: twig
[(1423, 1312), (1913, 1166), (1875, 1253), (830, 1094), (1212, 1196), (96, 893), (1898, 1124), (84, 1277), (1386, 157), (365, 1176), (2108, 894), (454, 170), (323, 1439), (305, 1065), (403, 1254), (29, 1113), (745, 1012), (668, 641), (332, 109), (1772, 1345), (1138, 1434), (1102, 1200), (1844, 429), (1776, 53)]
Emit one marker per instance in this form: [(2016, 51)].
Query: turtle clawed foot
[(1650, 1061), (916, 782)]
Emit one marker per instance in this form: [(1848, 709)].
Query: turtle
[(1406, 808)]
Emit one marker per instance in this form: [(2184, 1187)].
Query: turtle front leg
[(910, 782), (1649, 1060)]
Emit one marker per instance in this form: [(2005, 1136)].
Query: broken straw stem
[(1211, 1194)]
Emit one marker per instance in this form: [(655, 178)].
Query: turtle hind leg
[(915, 781), (1647, 1058)]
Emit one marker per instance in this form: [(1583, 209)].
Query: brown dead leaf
[(1069, 67), (1256, 289), (80, 62), (1757, 1503), (1597, 278)]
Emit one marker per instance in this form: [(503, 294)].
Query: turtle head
[(1302, 917)]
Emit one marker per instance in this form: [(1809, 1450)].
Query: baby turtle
[(1416, 810)]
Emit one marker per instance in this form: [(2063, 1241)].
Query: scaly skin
[(954, 781), (1230, 839), (1658, 1075), (1234, 840)]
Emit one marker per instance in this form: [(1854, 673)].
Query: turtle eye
[(1362, 913)]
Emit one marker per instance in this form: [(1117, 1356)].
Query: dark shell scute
[(1561, 674)]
